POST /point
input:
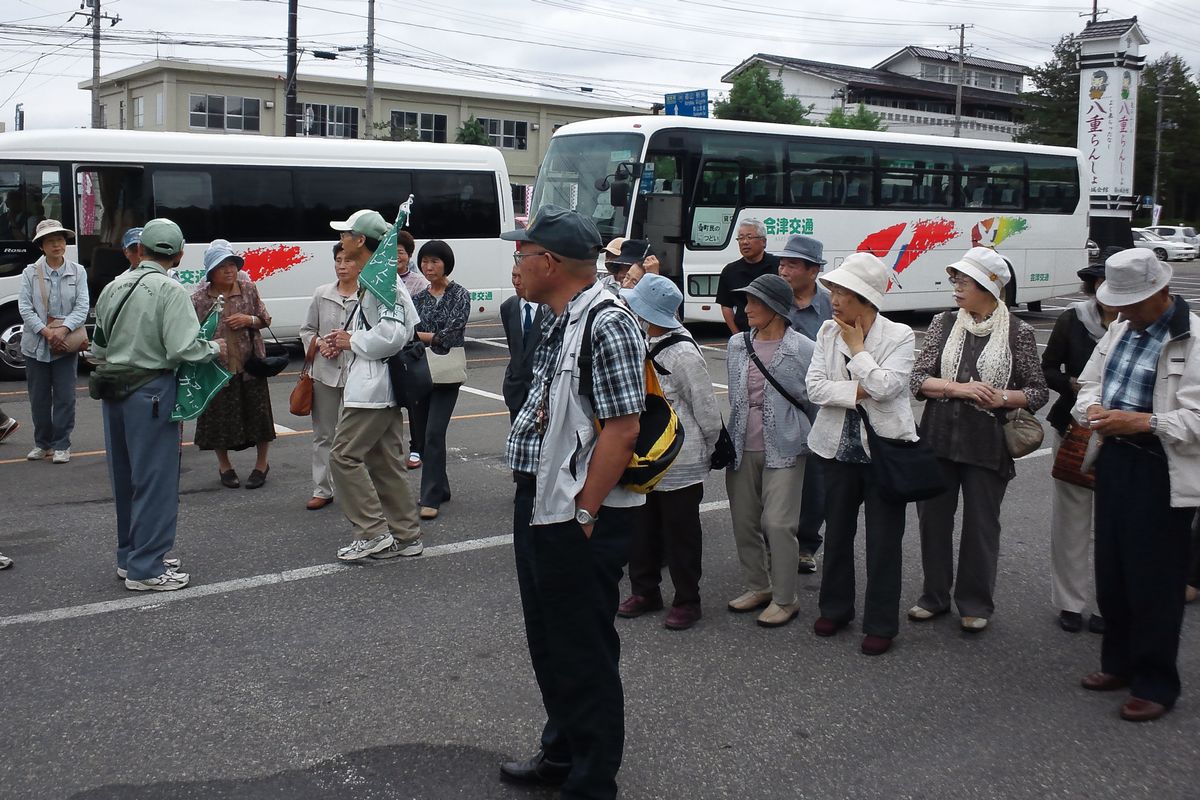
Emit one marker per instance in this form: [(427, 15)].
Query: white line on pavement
[(502, 345), (283, 429), (142, 602), (482, 393)]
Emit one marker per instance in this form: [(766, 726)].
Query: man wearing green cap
[(571, 519), (145, 328)]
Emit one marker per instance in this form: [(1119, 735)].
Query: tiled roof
[(970, 61), (871, 78), (1107, 28)]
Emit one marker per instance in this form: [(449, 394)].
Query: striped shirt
[(1132, 368), (618, 378)]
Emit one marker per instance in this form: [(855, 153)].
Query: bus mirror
[(618, 194)]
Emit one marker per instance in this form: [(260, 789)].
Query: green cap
[(365, 223), (162, 237)]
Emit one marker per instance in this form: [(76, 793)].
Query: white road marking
[(481, 393), (502, 344), (283, 429), (150, 600)]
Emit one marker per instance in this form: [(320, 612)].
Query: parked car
[(1093, 251), (1165, 249), (1177, 233)]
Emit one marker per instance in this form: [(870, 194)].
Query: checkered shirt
[(1132, 368), (618, 378)]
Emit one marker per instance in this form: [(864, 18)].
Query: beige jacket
[(326, 313)]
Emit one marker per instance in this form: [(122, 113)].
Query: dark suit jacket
[(519, 373)]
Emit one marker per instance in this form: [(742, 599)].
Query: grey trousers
[(368, 478), (143, 468), (765, 506), (326, 408), (52, 400), (1071, 544), (979, 546)]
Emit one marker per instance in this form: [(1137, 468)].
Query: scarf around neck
[(995, 361), (1088, 313)]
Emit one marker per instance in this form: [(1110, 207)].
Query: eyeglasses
[(959, 280), (750, 238), (518, 256)]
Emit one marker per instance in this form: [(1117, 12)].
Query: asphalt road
[(281, 673)]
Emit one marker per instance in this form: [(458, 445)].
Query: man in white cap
[(1140, 391)]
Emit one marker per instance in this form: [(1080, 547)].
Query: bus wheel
[(1035, 306), (12, 363)]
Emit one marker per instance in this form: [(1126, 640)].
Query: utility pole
[(369, 116), (94, 16), (1158, 129), (290, 114), (962, 60)]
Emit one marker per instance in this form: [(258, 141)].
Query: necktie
[(528, 317)]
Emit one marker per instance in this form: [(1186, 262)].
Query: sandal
[(229, 479)]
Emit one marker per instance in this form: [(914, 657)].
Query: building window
[(509, 134), (158, 109), (429, 127), (220, 113), (337, 122), (139, 112)]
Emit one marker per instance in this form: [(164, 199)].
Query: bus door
[(659, 212), (110, 199)]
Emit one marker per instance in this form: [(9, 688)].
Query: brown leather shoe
[(876, 645), (635, 605), (316, 503), (1138, 710), (1103, 682), (750, 601)]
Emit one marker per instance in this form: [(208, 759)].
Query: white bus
[(272, 198), (918, 202)]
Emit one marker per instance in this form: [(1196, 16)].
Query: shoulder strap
[(674, 338), (766, 374), (585, 349), (45, 290), (102, 337)]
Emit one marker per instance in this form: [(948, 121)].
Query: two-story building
[(185, 96), (913, 90)]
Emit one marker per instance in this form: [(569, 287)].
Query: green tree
[(1179, 159), (387, 132), (756, 96), (861, 119), (1052, 110), (472, 132)]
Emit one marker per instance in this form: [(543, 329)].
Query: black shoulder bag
[(906, 472), (408, 370), (115, 382)]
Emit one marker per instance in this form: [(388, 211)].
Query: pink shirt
[(755, 384)]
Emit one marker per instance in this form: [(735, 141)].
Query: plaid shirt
[(1132, 368), (618, 378)]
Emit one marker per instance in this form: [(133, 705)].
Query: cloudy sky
[(625, 51)]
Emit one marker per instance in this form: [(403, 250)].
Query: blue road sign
[(687, 104)]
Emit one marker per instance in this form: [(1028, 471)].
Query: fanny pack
[(115, 382)]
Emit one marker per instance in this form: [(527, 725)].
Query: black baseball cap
[(633, 251), (560, 230)]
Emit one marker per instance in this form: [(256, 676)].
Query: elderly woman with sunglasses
[(976, 365)]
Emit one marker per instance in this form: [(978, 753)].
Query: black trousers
[(429, 421), (569, 595), (812, 507), (848, 486), (669, 527), (1141, 567), (1193, 573)]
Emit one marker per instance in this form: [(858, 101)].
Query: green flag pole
[(198, 384), (379, 275)]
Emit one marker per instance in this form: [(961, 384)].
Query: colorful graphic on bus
[(926, 234), (994, 230)]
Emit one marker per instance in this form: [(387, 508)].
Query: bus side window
[(717, 200), (186, 198)]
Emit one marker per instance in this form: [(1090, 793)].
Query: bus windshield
[(573, 168)]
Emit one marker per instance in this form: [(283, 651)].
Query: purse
[(408, 370), (301, 400), (448, 368), (267, 367), (906, 472), (723, 454), (1069, 461), (1023, 433), (75, 341)]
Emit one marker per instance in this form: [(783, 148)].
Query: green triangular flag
[(198, 384), (379, 275)]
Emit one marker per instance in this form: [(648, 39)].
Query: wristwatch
[(1154, 423), (1004, 398), (583, 517)]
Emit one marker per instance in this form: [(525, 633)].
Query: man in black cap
[(572, 521), (632, 254)]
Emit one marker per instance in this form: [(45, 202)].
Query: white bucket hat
[(862, 273), (49, 226), (1131, 276), (986, 266)]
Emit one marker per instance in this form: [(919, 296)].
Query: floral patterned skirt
[(239, 416)]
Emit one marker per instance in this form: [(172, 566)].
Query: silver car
[(1165, 249)]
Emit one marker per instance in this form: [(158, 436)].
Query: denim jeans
[(52, 400)]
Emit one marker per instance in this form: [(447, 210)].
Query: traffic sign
[(687, 104)]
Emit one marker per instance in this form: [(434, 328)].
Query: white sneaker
[(167, 582), (398, 548), (37, 454), (172, 565), (8, 428), (61, 457), (5, 561), (361, 548)]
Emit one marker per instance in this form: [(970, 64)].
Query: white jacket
[(367, 381), (883, 370), (1176, 398)]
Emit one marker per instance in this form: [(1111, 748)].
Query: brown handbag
[(300, 402), (75, 341), (1068, 463)]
